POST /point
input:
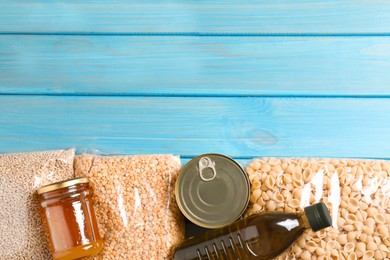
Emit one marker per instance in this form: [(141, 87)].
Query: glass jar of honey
[(70, 217)]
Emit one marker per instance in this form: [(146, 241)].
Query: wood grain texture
[(125, 65), (238, 127), (226, 16)]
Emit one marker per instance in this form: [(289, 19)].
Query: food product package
[(23, 233), (357, 193), (135, 204)]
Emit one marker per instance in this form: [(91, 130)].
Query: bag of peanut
[(135, 204), (357, 192)]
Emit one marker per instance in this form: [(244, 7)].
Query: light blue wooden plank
[(194, 65), (226, 16), (242, 127)]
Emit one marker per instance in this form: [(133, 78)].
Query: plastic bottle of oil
[(260, 236)]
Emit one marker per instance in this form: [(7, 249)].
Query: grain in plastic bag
[(23, 233), (135, 204), (357, 193)]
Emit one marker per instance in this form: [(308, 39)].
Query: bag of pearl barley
[(23, 233), (135, 204), (357, 193)]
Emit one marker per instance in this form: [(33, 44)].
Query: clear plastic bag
[(357, 192), (23, 233), (135, 204)]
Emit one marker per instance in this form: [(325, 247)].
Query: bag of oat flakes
[(23, 233)]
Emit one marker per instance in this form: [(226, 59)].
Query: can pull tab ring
[(204, 163)]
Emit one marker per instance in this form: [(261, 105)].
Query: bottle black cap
[(318, 216)]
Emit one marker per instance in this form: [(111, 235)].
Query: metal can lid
[(212, 190), (62, 184)]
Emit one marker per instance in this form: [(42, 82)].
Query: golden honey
[(71, 220)]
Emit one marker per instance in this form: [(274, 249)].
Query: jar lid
[(212, 190), (62, 184)]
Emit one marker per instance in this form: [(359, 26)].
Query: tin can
[(212, 190)]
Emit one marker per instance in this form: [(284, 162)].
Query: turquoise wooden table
[(243, 78)]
